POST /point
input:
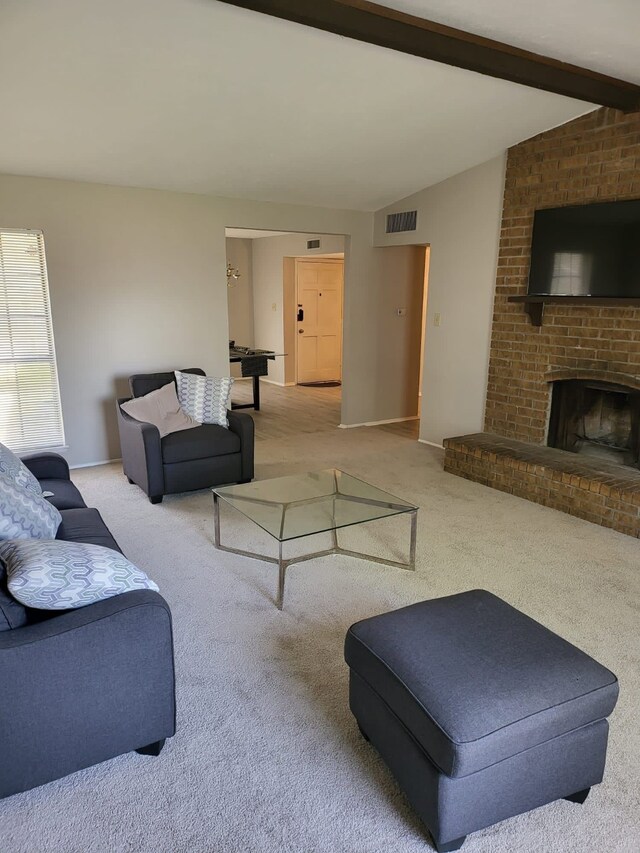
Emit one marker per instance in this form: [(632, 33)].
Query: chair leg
[(450, 846), (579, 796), (156, 499), (152, 748)]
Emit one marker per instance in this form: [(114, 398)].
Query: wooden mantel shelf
[(534, 305)]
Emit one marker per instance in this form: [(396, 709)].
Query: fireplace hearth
[(598, 419)]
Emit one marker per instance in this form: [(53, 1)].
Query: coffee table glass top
[(304, 504)]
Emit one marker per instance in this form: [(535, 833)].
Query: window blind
[(30, 412)]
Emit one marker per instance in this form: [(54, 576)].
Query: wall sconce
[(233, 275)]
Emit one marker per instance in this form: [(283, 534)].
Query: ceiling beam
[(379, 25)]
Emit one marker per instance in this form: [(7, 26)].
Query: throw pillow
[(58, 575), (14, 467), (25, 515), (205, 398), (12, 613), (160, 408)]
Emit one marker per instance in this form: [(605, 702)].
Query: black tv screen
[(590, 250)]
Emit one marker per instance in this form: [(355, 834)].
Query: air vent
[(406, 221), (313, 244)]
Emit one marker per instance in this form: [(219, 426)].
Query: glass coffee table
[(302, 505)]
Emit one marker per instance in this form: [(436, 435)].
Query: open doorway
[(285, 299)]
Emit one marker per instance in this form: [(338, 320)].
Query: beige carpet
[(267, 758)]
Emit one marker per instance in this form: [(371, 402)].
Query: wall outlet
[(401, 312), (437, 319), (274, 306)]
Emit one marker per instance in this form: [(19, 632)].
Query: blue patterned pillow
[(25, 515), (205, 398), (14, 468), (58, 575)]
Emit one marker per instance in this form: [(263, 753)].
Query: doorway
[(318, 309)]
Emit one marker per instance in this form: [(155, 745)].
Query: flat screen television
[(590, 250)]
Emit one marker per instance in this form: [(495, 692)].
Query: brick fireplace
[(589, 353)]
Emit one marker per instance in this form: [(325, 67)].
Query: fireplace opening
[(600, 419)]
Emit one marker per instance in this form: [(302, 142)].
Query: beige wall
[(137, 280), (240, 296), (460, 219), (268, 291)]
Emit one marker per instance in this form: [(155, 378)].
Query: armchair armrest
[(243, 426), (100, 683), (47, 466), (141, 452)]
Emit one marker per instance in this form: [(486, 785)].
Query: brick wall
[(593, 158)]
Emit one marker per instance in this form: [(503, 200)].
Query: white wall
[(460, 219), (267, 264), (240, 296), (138, 282)]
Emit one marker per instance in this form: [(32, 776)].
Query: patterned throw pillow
[(205, 398), (25, 515), (14, 467), (58, 575)]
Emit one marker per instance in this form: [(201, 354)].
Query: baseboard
[(379, 423), (95, 464), (431, 443), (279, 384)]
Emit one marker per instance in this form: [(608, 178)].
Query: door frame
[(316, 260)]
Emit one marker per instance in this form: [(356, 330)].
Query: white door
[(319, 324)]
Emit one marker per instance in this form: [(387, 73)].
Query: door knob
[(300, 331)]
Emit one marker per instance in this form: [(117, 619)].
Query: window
[(30, 413)]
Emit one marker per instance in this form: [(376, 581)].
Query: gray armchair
[(208, 455)]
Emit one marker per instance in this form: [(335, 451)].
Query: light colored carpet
[(267, 756)]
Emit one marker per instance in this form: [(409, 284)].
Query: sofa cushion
[(200, 443), (475, 681), (160, 408), (56, 575), (85, 525), (63, 494), (204, 398), (12, 613), (14, 468), (24, 514)]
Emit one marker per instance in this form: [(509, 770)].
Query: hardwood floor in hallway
[(299, 409)]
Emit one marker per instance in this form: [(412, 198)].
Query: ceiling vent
[(405, 221), (313, 244)]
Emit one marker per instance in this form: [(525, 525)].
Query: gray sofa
[(81, 686), (208, 455)]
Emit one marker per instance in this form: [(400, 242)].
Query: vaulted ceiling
[(199, 96)]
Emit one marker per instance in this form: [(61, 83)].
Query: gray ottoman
[(480, 712)]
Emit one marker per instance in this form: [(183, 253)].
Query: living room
[(130, 148)]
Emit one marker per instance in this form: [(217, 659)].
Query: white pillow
[(14, 467), (161, 408), (58, 575), (25, 515), (205, 398)]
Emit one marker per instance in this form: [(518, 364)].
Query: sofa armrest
[(47, 466), (243, 426), (141, 452), (83, 687)]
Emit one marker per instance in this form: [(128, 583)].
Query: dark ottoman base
[(429, 687)]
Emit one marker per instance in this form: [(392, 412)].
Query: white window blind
[(30, 413)]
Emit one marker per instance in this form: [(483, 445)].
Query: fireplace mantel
[(534, 305)]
